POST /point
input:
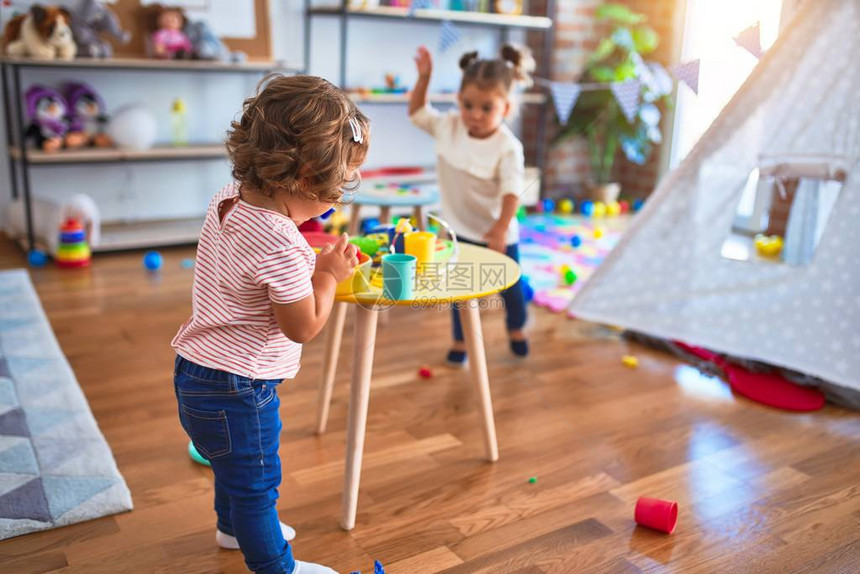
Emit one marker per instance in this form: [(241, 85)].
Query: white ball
[(133, 127)]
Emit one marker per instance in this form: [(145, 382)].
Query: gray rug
[(55, 466)]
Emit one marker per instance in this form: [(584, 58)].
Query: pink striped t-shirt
[(253, 257)]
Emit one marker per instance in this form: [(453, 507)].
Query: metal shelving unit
[(22, 159), (500, 22)]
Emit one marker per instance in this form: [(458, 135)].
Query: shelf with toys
[(67, 124), (433, 14), (113, 155), (251, 67)]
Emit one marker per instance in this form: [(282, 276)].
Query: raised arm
[(424, 65)]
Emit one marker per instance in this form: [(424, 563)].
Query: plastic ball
[(152, 260), (624, 205), (133, 127), (521, 213), (566, 206), (599, 209), (187, 263), (37, 258), (630, 361), (528, 291), (548, 205), (576, 241), (586, 207), (569, 277), (425, 372), (613, 208), (598, 232), (637, 205)]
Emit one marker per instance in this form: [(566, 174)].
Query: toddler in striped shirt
[(259, 293)]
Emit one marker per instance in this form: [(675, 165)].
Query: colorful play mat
[(552, 246)]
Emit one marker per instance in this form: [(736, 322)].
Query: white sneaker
[(310, 568), (230, 543)]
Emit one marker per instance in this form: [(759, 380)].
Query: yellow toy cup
[(421, 244)]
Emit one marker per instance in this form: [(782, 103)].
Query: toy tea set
[(393, 258)]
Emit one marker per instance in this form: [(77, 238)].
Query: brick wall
[(576, 36)]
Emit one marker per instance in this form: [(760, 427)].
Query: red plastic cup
[(658, 514)]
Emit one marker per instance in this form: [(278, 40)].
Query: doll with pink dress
[(169, 41)]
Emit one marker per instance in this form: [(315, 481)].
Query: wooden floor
[(759, 490)]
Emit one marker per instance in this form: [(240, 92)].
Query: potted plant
[(597, 116)]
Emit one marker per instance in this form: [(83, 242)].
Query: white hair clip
[(357, 136)]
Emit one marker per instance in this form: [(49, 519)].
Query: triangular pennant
[(627, 95), (418, 5), (750, 40), (564, 96), (688, 72), (449, 35), (662, 80), (65, 493), (26, 501)]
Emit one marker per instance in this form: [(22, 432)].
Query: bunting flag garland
[(564, 96), (449, 35), (750, 40), (627, 95), (418, 5), (688, 72)]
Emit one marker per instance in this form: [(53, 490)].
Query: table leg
[(334, 333), (418, 214), (384, 214), (354, 219), (359, 397), (471, 317)]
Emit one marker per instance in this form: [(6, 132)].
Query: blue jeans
[(513, 296), (234, 423)]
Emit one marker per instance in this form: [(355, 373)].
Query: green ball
[(533, 480), (521, 213), (569, 277)]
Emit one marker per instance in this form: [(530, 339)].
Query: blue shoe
[(456, 359), (520, 348)]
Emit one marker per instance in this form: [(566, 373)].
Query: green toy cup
[(398, 275)]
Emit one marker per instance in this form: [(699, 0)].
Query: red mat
[(769, 389)]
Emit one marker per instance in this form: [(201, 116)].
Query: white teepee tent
[(667, 277)]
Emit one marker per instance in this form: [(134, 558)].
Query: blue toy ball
[(187, 263), (587, 207), (327, 214), (576, 241), (548, 205), (528, 291), (37, 258), (637, 205), (152, 260)]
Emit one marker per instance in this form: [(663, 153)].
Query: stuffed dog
[(44, 33)]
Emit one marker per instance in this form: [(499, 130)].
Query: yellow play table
[(476, 272)]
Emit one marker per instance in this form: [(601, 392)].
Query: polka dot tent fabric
[(550, 244), (55, 466), (667, 278)]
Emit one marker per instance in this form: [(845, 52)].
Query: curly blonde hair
[(295, 136)]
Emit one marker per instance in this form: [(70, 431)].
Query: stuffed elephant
[(208, 46), (89, 19)]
